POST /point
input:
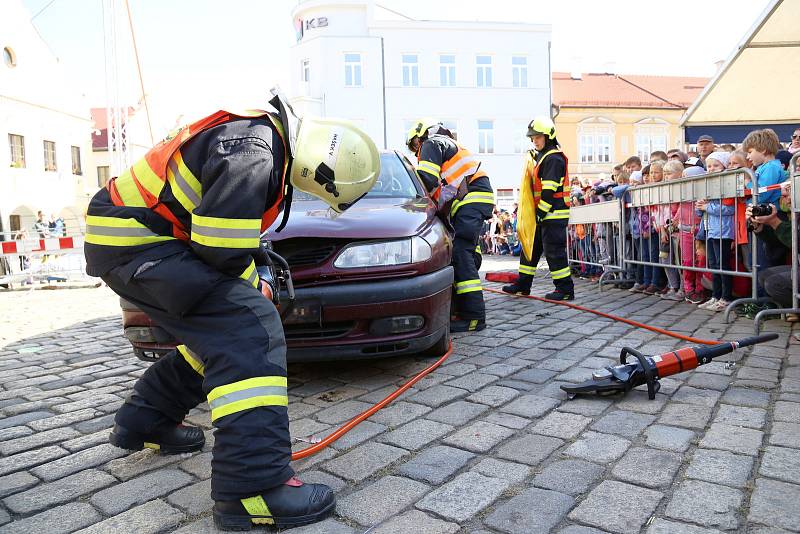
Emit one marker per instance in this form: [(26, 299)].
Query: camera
[(762, 210)]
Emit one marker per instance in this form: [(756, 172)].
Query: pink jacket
[(687, 217)]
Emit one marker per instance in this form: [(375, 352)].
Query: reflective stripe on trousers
[(468, 285), (247, 394)]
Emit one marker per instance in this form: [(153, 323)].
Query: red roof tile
[(626, 90)]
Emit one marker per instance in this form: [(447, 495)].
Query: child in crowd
[(668, 246), (693, 243), (656, 175), (700, 259), (686, 223), (633, 272), (739, 160), (761, 147), (720, 233)]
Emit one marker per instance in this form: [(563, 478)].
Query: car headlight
[(383, 253)]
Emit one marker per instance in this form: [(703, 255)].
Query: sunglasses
[(796, 137)]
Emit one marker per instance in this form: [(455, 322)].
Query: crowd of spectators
[(673, 240), (670, 247)]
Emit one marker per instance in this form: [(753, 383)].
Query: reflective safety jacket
[(544, 193), (214, 187), (443, 161), (550, 184)]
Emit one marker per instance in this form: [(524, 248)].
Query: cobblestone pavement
[(486, 443)]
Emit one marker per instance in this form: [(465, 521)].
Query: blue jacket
[(719, 220), (770, 173)]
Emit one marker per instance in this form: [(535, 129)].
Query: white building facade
[(45, 130), (484, 80)]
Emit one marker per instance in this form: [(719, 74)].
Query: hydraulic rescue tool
[(649, 369)]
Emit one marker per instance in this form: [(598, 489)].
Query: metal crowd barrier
[(794, 179), (594, 240), (25, 260), (667, 202), (598, 237)]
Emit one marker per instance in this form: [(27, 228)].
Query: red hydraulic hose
[(352, 423), (341, 431), (614, 317)]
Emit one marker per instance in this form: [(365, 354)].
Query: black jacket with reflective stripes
[(551, 172), (239, 166), (436, 150)]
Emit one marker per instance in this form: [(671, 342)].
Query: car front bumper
[(334, 321)]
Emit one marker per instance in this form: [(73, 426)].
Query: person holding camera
[(775, 231)]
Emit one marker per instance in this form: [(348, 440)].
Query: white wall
[(38, 102), (352, 27)]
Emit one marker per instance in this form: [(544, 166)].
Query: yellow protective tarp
[(526, 212)]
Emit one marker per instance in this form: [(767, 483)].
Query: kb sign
[(301, 26)]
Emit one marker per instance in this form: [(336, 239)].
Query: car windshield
[(394, 181)]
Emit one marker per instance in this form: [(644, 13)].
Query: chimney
[(718, 64)]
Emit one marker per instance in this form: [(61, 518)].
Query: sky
[(209, 54)]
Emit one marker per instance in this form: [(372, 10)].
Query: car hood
[(370, 218)]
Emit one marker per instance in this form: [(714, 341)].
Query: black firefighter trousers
[(234, 356), (468, 223), (551, 240)]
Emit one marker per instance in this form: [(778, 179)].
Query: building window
[(410, 70), (305, 70), (9, 57), (650, 135), (519, 71), (484, 70), (596, 141), (17, 145), (102, 176), (352, 70), (50, 156), (452, 126), (595, 147), (447, 70), (486, 137), (521, 141), (76, 161)]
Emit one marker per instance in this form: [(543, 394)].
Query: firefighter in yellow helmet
[(178, 235), (544, 213), (448, 169)]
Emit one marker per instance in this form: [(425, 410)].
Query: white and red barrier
[(41, 259), (49, 244)]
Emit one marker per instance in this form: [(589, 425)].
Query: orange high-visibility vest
[(141, 185), (537, 183), (462, 165)]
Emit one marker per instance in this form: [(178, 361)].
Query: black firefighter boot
[(291, 504), (467, 325), (140, 426), (563, 291), (521, 287)]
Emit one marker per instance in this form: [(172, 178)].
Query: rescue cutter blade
[(649, 369)]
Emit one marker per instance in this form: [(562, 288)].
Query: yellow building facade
[(602, 119), (596, 139)]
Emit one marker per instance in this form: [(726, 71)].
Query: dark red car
[(374, 281)]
